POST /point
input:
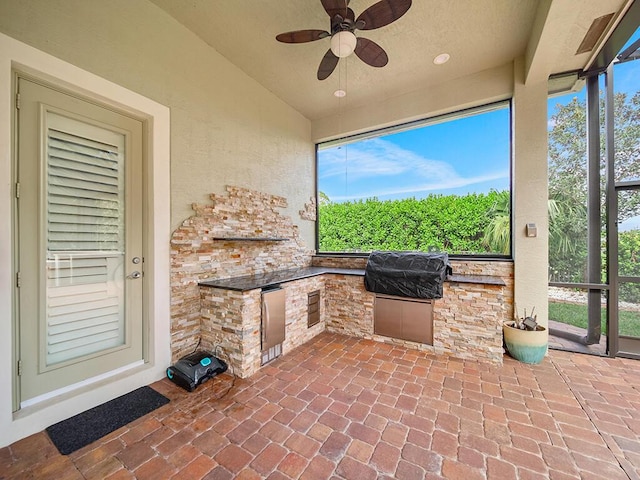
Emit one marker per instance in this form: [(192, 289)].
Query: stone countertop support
[(231, 320), (467, 321)]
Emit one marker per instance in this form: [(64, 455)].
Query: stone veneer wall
[(349, 305), (467, 321), (197, 256), (340, 262), (296, 294), (487, 268), (231, 319)]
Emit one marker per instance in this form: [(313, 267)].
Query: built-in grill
[(407, 274), (405, 283)]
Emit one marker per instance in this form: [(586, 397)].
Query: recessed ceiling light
[(339, 93), (442, 58)]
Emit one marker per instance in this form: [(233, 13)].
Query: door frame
[(613, 190), (18, 56), (39, 102), (619, 345), (18, 401)]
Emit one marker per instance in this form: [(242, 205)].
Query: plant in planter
[(525, 340)]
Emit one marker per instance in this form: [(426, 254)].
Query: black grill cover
[(407, 274)]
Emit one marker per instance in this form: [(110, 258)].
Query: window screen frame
[(414, 124)]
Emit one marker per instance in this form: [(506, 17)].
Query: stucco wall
[(530, 180), (226, 129), (479, 89)]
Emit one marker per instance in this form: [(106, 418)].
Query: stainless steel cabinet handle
[(265, 321), (134, 275)]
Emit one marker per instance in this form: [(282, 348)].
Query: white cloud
[(376, 158)]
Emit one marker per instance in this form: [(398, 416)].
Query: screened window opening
[(594, 208), (441, 184)]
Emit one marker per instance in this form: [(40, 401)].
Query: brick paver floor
[(340, 407), (562, 342)]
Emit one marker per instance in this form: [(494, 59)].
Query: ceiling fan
[(343, 26)]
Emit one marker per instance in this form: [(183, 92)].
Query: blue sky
[(470, 154), (417, 162)]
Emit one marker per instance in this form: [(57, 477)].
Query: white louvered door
[(80, 241), (85, 239)]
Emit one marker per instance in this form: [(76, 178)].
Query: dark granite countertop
[(480, 279), (265, 280)]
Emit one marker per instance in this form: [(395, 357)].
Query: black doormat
[(87, 427)]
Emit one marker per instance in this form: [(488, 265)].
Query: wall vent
[(594, 33)]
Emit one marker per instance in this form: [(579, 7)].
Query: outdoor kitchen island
[(231, 248), (232, 313), (467, 321)]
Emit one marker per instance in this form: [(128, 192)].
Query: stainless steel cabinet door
[(273, 318)]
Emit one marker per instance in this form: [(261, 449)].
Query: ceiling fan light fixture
[(442, 58), (343, 44)]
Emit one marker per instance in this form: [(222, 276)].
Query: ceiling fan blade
[(327, 65), (371, 53), (383, 13), (302, 36), (335, 7)]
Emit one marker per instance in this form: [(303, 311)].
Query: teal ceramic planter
[(527, 346)]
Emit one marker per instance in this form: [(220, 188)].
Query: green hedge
[(451, 223)]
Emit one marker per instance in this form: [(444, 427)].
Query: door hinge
[(18, 190), (17, 101), (19, 367), (18, 279)]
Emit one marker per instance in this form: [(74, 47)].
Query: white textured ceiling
[(478, 34)]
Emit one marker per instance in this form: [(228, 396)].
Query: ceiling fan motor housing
[(341, 23)]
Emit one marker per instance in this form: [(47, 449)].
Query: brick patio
[(339, 407)]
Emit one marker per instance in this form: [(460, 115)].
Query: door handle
[(265, 322), (134, 275)]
